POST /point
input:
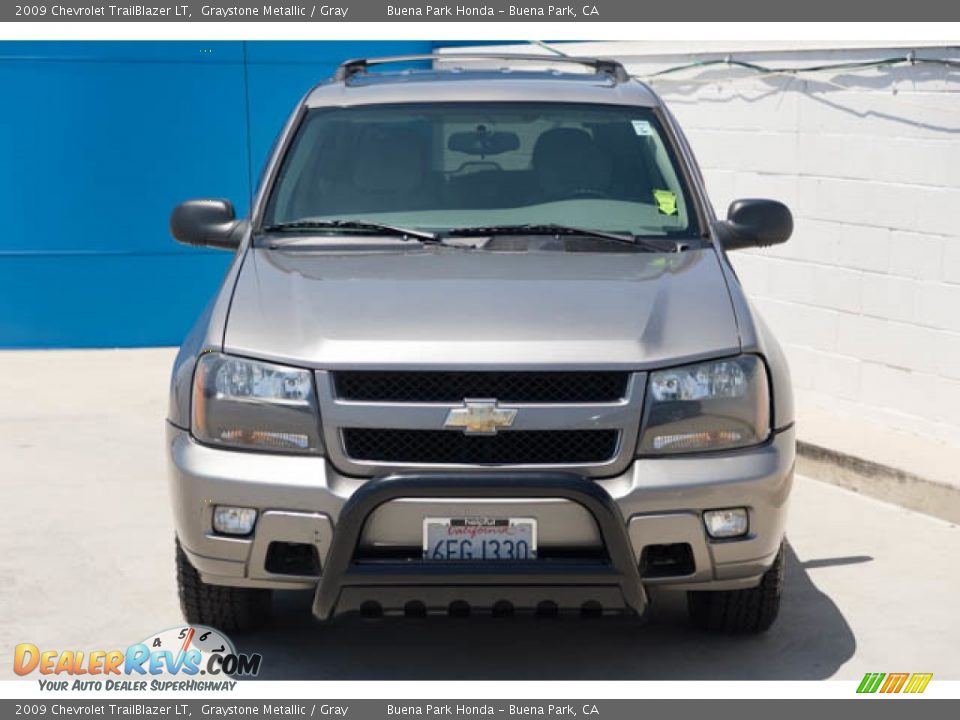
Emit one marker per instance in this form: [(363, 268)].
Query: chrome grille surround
[(622, 415)]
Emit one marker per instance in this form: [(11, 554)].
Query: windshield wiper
[(555, 229), (405, 233)]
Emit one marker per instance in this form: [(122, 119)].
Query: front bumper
[(302, 500)]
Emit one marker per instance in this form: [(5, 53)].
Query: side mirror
[(207, 223), (755, 223)]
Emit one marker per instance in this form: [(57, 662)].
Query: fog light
[(731, 522), (234, 520)]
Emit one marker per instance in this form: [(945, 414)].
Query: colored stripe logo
[(894, 683)]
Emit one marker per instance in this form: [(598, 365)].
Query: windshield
[(440, 167)]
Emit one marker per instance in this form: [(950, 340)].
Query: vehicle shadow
[(810, 640)]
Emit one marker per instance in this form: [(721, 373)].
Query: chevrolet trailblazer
[(481, 350)]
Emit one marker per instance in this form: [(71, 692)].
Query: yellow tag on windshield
[(666, 201)]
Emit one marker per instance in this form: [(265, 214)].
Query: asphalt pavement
[(87, 563)]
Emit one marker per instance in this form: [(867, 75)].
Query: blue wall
[(98, 142)]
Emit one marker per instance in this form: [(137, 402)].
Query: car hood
[(435, 307)]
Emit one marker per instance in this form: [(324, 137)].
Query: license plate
[(479, 538)]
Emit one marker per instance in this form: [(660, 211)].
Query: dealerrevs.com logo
[(191, 657)]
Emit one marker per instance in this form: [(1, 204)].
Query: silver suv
[(481, 349)]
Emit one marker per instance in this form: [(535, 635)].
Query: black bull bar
[(613, 582)]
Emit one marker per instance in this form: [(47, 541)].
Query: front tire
[(225, 608), (740, 612)]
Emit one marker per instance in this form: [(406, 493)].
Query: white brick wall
[(866, 296)]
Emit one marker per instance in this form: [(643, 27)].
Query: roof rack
[(602, 66)]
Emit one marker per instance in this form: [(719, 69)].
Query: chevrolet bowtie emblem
[(480, 417)]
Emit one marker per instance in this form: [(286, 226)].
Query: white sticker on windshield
[(642, 127)]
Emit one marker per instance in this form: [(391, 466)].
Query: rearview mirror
[(207, 223), (483, 142), (755, 223)]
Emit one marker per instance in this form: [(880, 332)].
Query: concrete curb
[(880, 481)]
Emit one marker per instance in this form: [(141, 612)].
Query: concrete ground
[(861, 454), (87, 563)]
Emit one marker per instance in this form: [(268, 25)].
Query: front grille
[(507, 387), (512, 447)]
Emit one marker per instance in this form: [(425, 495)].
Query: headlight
[(254, 405), (714, 405)]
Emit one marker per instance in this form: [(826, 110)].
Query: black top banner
[(484, 10)]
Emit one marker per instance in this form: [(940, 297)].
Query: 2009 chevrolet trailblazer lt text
[(481, 349)]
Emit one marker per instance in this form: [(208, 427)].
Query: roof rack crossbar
[(602, 66)]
